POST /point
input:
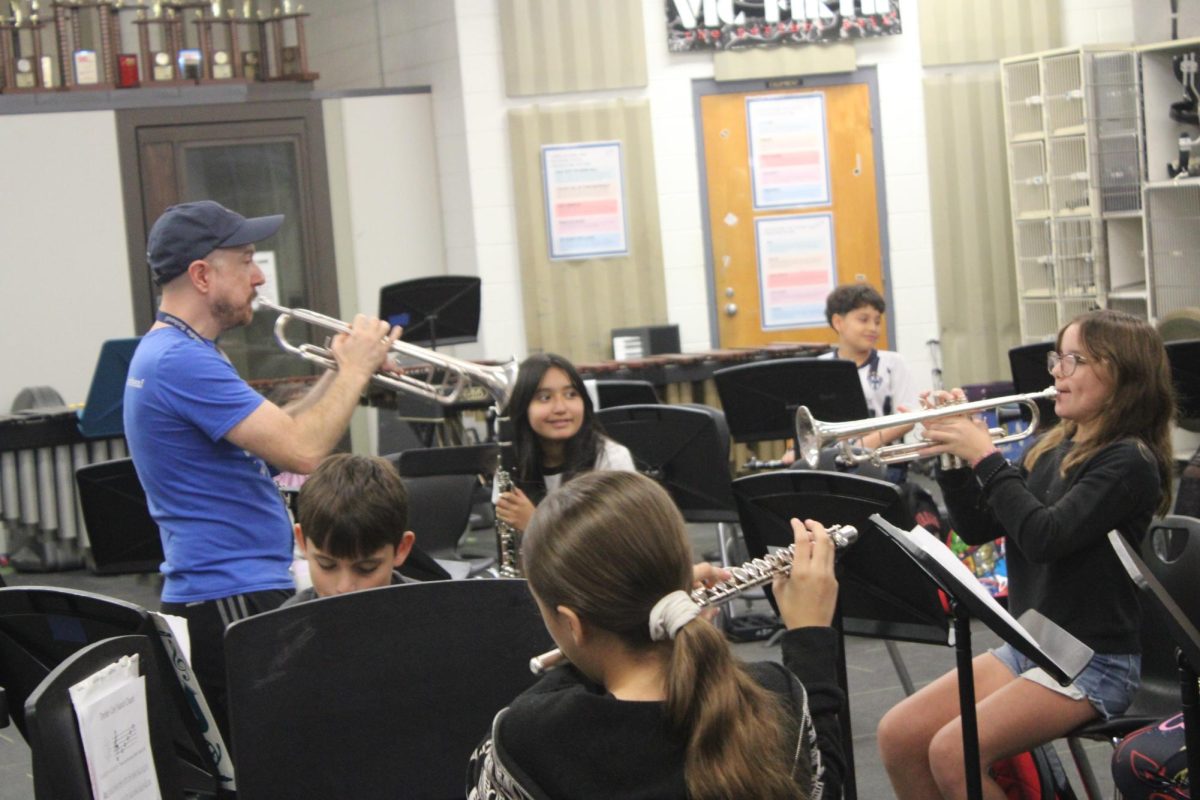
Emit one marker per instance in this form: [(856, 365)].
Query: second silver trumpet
[(753, 573)]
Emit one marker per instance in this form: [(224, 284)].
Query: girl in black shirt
[(1107, 465), (653, 703)]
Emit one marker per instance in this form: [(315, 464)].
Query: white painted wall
[(386, 204), (64, 282)]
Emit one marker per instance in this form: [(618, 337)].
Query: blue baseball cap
[(190, 231)]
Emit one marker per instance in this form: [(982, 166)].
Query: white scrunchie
[(670, 614)]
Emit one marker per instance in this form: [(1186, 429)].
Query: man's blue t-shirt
[(224, 527)]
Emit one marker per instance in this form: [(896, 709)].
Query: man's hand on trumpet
[(962, 435), (366, 347)]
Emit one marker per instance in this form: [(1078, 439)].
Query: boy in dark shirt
[(352, 526)]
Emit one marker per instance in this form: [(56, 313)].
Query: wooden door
[(257, 159), (792, 208)]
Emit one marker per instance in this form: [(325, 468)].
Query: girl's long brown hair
[(609, 545), (1142, 404)]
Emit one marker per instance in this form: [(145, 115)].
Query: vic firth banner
[(730, 25)]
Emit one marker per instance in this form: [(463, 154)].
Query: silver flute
[(753, 573)]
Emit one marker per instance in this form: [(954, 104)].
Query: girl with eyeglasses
[(1106, 465)]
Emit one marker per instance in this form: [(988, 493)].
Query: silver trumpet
[(456, 374), (812, 435), (753, 573)]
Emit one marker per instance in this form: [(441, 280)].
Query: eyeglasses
[(1068, 362)]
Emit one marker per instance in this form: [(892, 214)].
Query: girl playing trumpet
[(1107, 465), (653, 703)]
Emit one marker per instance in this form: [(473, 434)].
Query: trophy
[(290, 51), (23, 69), (218, 36), (87, 62), (160, 52), (252, 61)]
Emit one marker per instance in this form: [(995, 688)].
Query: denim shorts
[(1108, 681)]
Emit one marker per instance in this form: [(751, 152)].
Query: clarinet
[(508, 538), (753, 573)]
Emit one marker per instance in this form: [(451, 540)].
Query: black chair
[(1171, 552), (443, 487), (41, 627), (625, 393), (875, 597), (377, 694), (59, 765), (1029, 374), (121, 533), (1185, 373)]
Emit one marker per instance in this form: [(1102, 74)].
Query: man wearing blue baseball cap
[(202, 439)]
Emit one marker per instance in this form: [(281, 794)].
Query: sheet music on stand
[(1056, 651), (115, 731), (1034, 635)]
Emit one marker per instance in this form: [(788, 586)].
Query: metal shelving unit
[(1072, 124)]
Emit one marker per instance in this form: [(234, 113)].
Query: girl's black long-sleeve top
[(1059, 559)]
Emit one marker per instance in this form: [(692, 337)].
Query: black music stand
[(877, 593), (685, 448), (1185, 635), (1029, 374), (122, 536), (377, 694), (41, 627), (443, 309), (102, 415), (760, 399), (60, 767), (1037, 638)]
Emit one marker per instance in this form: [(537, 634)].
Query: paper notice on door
[(789, 154), (115, 731), (796, 269)]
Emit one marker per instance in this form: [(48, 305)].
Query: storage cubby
[(1035, 260), (1172, 246), (1160, 90), (1024, 104), (1078, 256)]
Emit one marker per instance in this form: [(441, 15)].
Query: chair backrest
[(41, 627), (122, 535), (1185, 374), (377, 694), (1171, 553), (685, 448), (760, 399), (474, 459), (59, 763), (625, 393), (439, 508), (881, 593)]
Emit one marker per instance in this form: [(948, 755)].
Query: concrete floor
[(873, 683)]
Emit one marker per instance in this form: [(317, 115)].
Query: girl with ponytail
[(653, 703)]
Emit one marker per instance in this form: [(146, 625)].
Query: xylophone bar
[(41, 525)]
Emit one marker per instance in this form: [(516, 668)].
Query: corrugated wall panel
[(553, 46), (966, 31), (972, 227), (571, 307)]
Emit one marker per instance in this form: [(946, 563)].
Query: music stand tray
[(1055, 650), (442, 309), (760, 399)]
